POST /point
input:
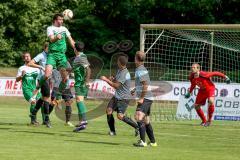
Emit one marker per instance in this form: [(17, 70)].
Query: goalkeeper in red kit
[(206, 91)]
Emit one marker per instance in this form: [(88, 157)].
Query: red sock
[(201, 115), (210, 112)]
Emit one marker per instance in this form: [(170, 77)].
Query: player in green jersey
[(28, 76), (81, 76)]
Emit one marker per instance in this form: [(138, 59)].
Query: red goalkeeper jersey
[(203, 81)]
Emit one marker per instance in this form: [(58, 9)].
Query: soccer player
[(57, 35), (206, 91), (40, 62), (82, 73), (28, 76), (61, 90), (144, 95), (119, 102)]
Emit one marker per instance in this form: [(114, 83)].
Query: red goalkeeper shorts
[(203, 95)]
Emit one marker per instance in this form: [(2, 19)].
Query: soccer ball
[(67, 14)]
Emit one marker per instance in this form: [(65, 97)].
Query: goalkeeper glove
[(227, 80), (187, 95)]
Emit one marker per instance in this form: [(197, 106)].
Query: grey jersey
[(81, 60), (123, 77), (41, 58), (141, 74), (56, 78)]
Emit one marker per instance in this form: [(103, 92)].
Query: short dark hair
[(25, 52), (123, 60), (79, 46), (140, 55), (55, 17)]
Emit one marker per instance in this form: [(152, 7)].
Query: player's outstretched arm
[(88, 75), (72, 43), (211, 74), (219, 74), (32, 63), (114, 84)]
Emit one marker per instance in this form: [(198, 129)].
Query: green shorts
[(57, 59), (29, 93), (79, 77), (81, 90)]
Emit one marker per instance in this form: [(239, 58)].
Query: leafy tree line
[(23, 22)]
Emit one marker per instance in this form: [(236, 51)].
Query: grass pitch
[(177, 140)]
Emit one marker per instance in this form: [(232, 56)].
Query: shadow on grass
[(12, 124), (87, 132), (5, 128), (180, 124), (93, 142), (45, 133), (36, 132)]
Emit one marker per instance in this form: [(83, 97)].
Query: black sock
[(50, 108), (111, 121), (142, 130), (150, 134), (68, 112), (130, 122), (46, 110), (37, 107)]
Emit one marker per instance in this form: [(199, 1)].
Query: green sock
[(81, 110), (32, 108)]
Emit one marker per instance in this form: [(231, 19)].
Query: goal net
[(171, 50)]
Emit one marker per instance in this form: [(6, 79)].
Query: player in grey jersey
[(62, 90), (44, 102), (119, 102), (145, 100)]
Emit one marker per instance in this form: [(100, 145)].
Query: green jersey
[(29, 80), (80, 64), (59, 45)]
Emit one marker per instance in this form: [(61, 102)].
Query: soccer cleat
[(78, 129), (69, 124), (153, 144), (34, 123), (140, 143), (81, 123), (202, 124), (110, 133), (48, 125), (136, 132), (207, 124)]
